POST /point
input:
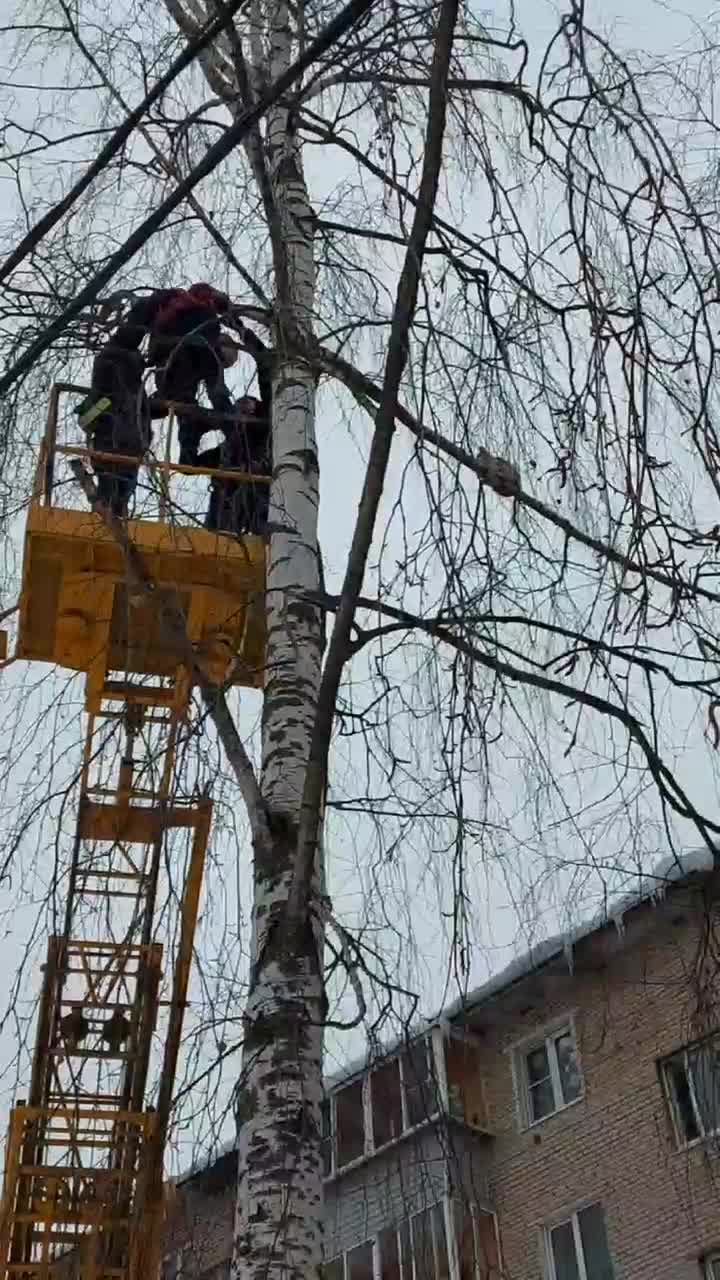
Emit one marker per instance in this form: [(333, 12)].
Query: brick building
[(559, 1125)]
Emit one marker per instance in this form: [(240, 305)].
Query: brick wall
[(633, 998)]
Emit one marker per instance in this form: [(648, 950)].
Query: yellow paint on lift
[(77, 609)]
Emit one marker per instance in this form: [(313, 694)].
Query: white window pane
[(568, 1068), (562, 1241), (598, 1265), (704, 1065)]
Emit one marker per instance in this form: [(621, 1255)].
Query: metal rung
[(79, 1219), (111, 875), (146, 695), (113, 791), (81, 1002), (86, 1099), (106, 893), (91, 944), (134, 824), (43, 1269), (88, 1053), (75, 1175)]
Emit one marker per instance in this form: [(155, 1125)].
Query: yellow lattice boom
[(82, 1191)]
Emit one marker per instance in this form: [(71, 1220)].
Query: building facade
[(563, 1123)]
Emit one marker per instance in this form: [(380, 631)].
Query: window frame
[(521, 1050), (432, 1217), (473, 1209), (405, 1248), (363, 1081), (408, 1265), (432, 1077), (344, 1256), (434, 1043), (573, 1217), (704, 1135)]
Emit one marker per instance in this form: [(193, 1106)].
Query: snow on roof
[(651, 886)]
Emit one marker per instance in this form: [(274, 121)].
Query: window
[(349, 1124), (476, 1239), (356, 1264), (692, 1078), (416, 1249), (386, 1100), (551, 1074), (578, 1248), (368, 1113), (429, 1244), (418, 1083)]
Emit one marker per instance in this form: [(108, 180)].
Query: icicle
[(569, 953), (658, 891)]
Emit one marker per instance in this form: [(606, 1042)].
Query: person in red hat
[(188, 349)]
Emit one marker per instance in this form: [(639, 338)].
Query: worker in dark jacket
[(187, 348), (240, 506), (116, 416)]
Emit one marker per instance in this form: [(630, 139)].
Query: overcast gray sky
[(398, 902)]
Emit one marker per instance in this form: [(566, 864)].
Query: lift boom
[(83, 1184)]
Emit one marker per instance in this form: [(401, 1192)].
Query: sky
[(400, 897)]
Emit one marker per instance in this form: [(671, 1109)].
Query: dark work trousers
[(190, 364), (116, 481), (240, 507)]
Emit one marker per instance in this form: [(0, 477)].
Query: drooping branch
[(172, 169), (200, 40), (348, 16), (668, 786)]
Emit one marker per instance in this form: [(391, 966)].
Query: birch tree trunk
[(278, 1228)]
